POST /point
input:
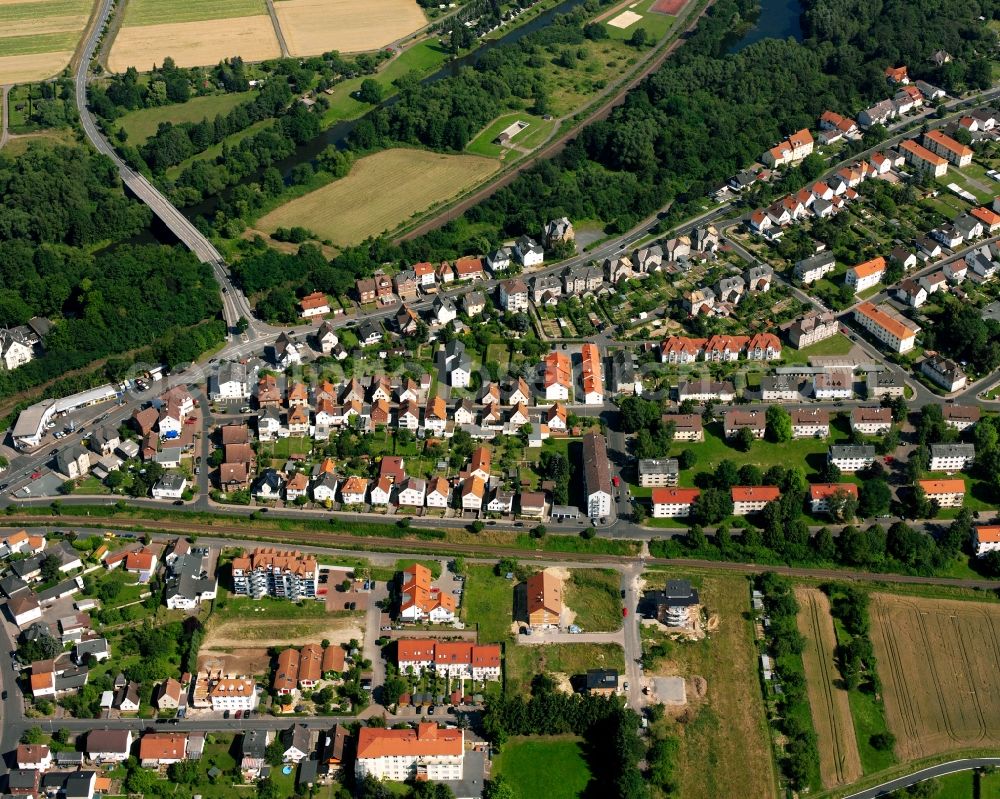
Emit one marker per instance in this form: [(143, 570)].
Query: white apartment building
[(426, 753), (753, 499), (951, 457), (233, 693), (810, 423), (892, 329), (871, 421), (673, 503), (850, 458)]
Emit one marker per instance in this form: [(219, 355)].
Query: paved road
[(234, 303), (925, 774)]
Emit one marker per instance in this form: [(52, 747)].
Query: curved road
[(928, 773), (234, 303)]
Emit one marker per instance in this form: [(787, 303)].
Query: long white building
[(426, 753)]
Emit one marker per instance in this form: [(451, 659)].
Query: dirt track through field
[(839, 761), (938, 662)]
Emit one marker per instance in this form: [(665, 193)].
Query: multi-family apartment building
[(891, 328), (285, 574), (951, 457), (427, 753), (851, 458)]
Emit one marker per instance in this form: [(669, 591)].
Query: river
[(338, 133), (778, 19)]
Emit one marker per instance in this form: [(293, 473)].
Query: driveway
[(556, 637)]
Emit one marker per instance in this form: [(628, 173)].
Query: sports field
[(37, 39), (647, 14), (937, 661), (381, 192), (192, 33), (839, 762), (312, 27)]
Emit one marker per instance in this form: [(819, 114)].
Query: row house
[(705, 390), (420, 600), (589, 279), (591, 375), (923, 159), (812, 328), (455, 659), (686, 426), (951, 457), (957, 154), (833, 127), (961, 417), (737, 420), (794, 148), (866, 275), (851, 458), (831, 497), (778, 388), (833, 385), (944, 372), (748, 500), (557, 376)]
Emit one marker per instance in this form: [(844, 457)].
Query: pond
[(778, 19)]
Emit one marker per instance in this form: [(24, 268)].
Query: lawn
[(530, 137), (141, 124), (808, 452), (553, 766), (835, 345), (422, 58), (593, 595), (488, 602), (267, 608), (382, 192), (524, 662), (162, 12), (957, 786)]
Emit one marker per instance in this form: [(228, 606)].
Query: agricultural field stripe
[(36, 11), (39, 43), (840, 761), (162, 12)]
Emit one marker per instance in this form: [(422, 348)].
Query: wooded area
[(58, 203)]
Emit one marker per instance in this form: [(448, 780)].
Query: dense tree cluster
[(165, 85), (172, 143), (56, 202), (960, 332), (801, 758)]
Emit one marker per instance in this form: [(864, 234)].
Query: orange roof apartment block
[(426, 753), (593, 383), (944, 145)]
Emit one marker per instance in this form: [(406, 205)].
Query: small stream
[(338, 133)]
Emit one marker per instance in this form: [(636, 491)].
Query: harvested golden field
[(193, 44), (938, 662), (381, 192), (312, 27), (38, 66), (839, 761)]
